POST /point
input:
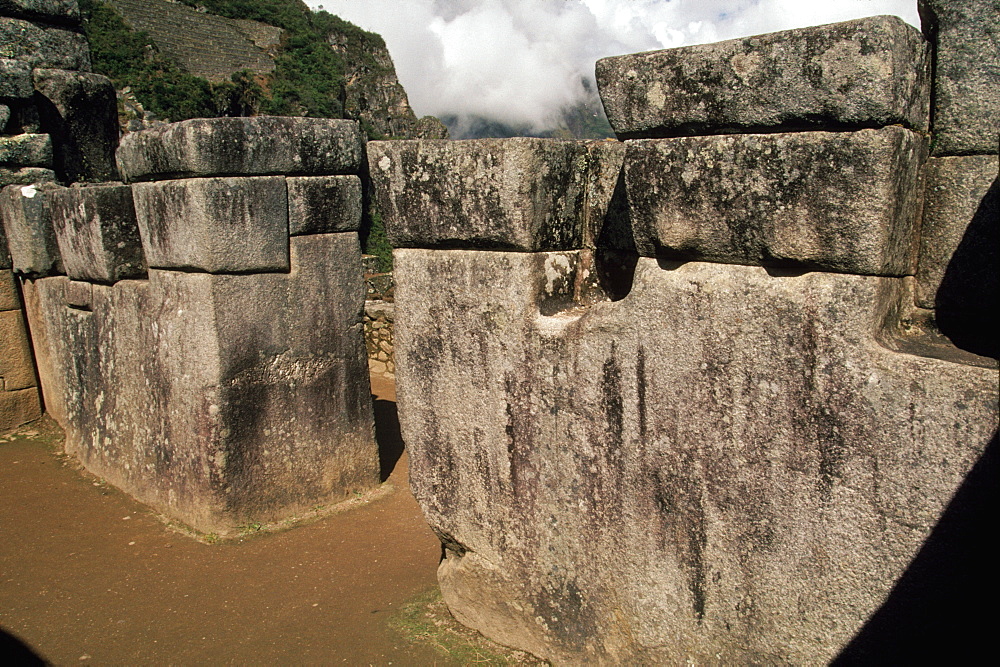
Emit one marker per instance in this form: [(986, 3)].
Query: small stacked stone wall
[(379, 318), (199, 332), (57, 123), (711, 419)]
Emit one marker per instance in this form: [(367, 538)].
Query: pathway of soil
[(87, 574)]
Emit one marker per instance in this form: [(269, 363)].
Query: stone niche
[(200, 338), (706, 421)]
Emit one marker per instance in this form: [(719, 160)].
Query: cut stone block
[(17, 370), (9, 300), (218, 225), (242, 146), (323, 204), (959, 269), (15, 79), (97, 233), (26, 150), (43, 46), (51, 11), (80, 110), (515, 194), (739, 474), (18, 408), (868, 72), (967, 74), (27, 221), (4, 117), (79, 294), (25, 176), (226, 400), (833, 201)]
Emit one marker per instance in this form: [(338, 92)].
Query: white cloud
[(521, 61)]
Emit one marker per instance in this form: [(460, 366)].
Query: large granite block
[(80, 110), (219, 400), (51, 11), (25, 176), (43, 46), (242, 146), (15, 79), (17, 370), (218, 225), (868, 72), (967, 74), (26, 150), (27, 220), (323, 204), (516, 194), (723, 467), (97, 233), (834, 201)]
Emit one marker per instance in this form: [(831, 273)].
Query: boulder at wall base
[(516, 194), (242, 146), (869, 72), (218, 400), (661, 490)]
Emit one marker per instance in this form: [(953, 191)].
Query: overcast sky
[(521, 61)]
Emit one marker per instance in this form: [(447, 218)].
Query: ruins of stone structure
[(712, 417)]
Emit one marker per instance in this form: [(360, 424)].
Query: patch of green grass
[(426, 620)]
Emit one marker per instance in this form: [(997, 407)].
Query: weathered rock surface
[(97, 233), (19, 399), (868, 72), (27, 220), (740, 475), (219, 400), (242, 146), (836, 201), (18, 407), (43, 46), (26, 150), (50, 11), (25, 176), (218, 225), (15, 79), (514, 194), (80, 111), (17, 371), (323, 204), (967, 74)]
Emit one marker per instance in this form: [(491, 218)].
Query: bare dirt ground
[(89, 575)]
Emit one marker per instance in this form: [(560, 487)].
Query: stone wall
[(57, 123), (379, 319), (716, 414), (199, 332)]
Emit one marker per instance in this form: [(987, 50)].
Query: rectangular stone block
[(220, 400), (80, 111), (242, 146), (25, 176), (745, 435), (97, 233), (27, 220), (868, 72), (17, 370), (26, 150), (323, 204), (967, 74), (18, 408), (51, 11), (218, 225), (15, 79), (43, 46), (515, 194), (831, 201), (9, 299), (961, 209)]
